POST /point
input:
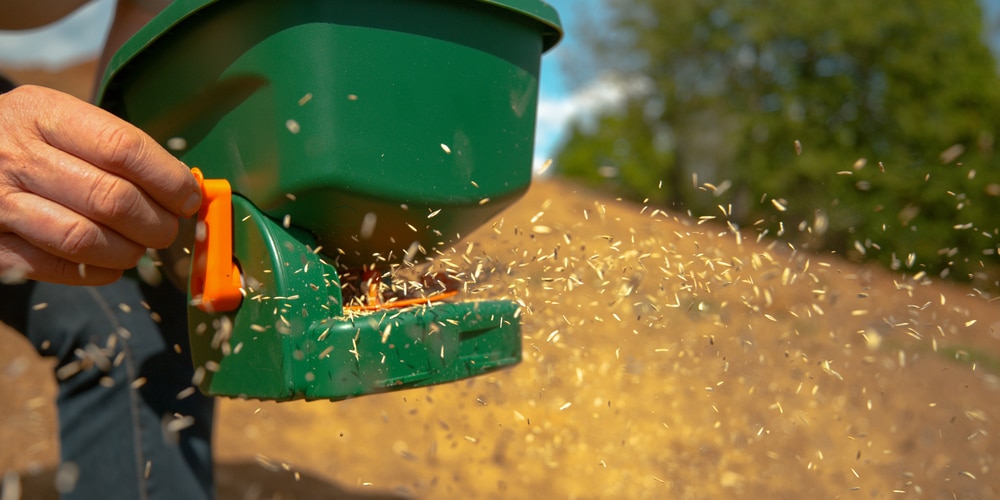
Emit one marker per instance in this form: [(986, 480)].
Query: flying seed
[(66, 477), (293, 126), (545, 166), (306, 98), (179, 423), (368, 225), (176, 144), (445, 148), (951, 154)]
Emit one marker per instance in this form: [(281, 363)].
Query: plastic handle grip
[(215, 276)]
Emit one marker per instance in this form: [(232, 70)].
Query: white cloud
[(77, 37), (606, 94)]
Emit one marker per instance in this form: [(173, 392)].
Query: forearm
[(27, 14)]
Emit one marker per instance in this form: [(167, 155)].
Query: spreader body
[(350, 133)]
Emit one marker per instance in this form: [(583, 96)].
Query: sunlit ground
[(665, 357)]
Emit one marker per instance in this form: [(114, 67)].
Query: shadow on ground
[(239, 480)]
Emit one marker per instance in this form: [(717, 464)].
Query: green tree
[(859, 127)]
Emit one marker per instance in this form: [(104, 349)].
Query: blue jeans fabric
[(129, 422)]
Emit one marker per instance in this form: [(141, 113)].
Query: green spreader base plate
[(292, 339)]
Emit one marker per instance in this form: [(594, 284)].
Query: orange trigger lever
[(215, 278)]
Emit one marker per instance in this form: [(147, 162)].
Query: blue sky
[(81, 35)]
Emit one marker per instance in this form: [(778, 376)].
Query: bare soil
[(664, 357)]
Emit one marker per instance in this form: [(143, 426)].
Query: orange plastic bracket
[(215, 277)]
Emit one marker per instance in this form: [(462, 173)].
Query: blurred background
[(759, 261), (861, 128)]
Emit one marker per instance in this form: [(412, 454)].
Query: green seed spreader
[(335, 141)]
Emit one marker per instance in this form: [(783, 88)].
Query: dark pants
[(130, 423)]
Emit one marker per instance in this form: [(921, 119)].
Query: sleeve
[(14, 304)]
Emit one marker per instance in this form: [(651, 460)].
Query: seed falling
[(176, 144), (368, 225), (646, 329)]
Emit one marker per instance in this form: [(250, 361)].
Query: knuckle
[(65, 271), (113, 198), (69, 273), (80, 237), (123, 147), (24, 101), (84, 241), (26, 93)]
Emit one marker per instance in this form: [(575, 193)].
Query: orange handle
[(215, 277)]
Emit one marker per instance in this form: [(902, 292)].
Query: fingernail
[(192, 204)]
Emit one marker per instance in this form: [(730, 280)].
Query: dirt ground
[(664, 357)]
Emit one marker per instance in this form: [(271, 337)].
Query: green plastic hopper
[(352, 134)]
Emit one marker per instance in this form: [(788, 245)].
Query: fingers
[(104, 198), (66, 234), (22, 260), (82, 192), (116, 147)]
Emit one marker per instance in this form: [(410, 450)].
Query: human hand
[(82, 192)]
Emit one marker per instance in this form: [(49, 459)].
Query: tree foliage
[(858, 127)]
